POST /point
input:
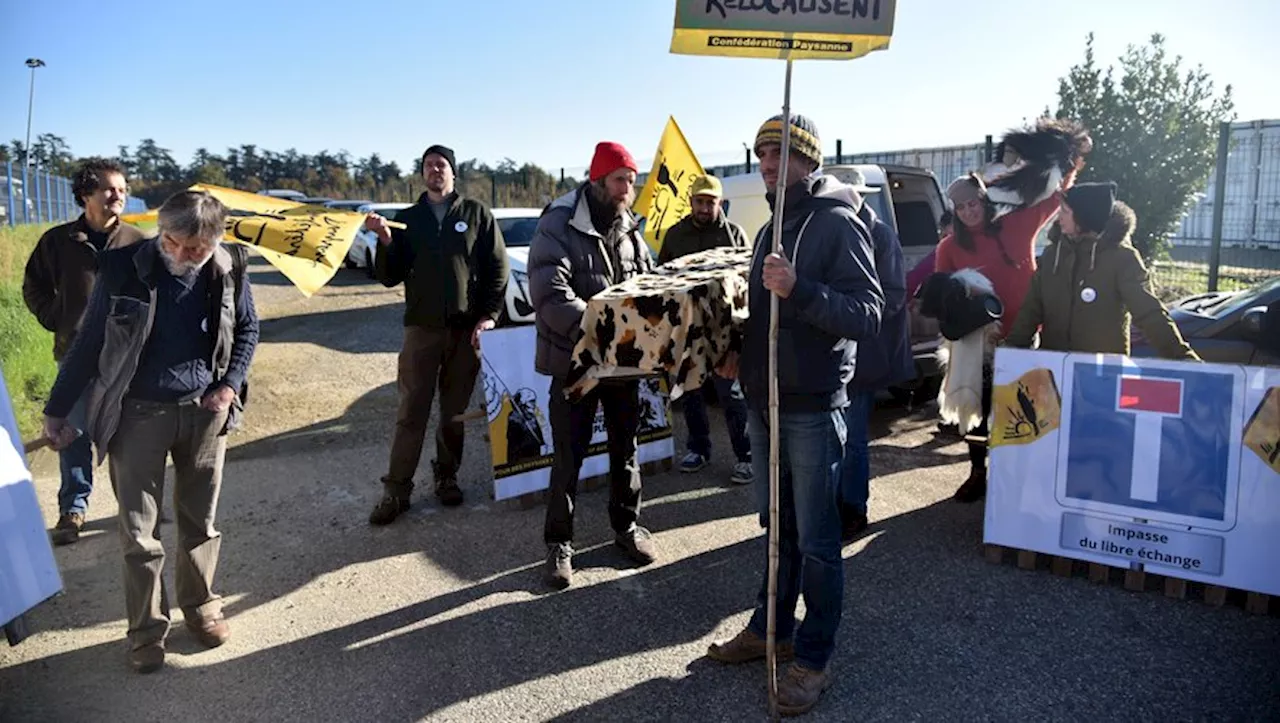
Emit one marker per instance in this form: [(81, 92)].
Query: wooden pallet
[(1136, 580)]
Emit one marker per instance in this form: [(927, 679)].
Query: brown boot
[(67, 531), (147, 658), (211, 632), (800, 689), (394, 502), (449, 493), (974, 488), (559, 569), (745, 647), (638, 545), (447, 489)]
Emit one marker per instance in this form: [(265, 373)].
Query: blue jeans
[(76, 463), (735, 417), (809, 560), (855, 468)]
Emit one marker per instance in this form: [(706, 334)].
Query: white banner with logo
[(520, 424), (1171, 467), (28, 571)]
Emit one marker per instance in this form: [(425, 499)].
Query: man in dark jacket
[(453, 263), (56, 287), (883, 360), (706, 227), (164, 349), (829, 300), (588, 240)]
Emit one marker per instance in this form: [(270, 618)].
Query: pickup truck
[(907, 198)]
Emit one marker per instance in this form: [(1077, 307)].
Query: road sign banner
[(1150, 468)]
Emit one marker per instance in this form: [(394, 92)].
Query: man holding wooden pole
[(828, 299)]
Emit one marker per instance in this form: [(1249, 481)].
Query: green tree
[(1154, 130)]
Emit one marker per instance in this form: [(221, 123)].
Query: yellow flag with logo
[(1262, 433), (664, 200), (1025, 410), (306, 243)]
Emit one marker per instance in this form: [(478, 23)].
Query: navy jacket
[(836, 302), (886, 359)]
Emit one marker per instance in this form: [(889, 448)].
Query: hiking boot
[(743, 474), (394, 502), (800, 688), (974, 488), (559, 564), (67, 531), (638, 545), (448, 492), (692, 462), (745, 647), (853, 522), (211, 632), (447, 489), (148, 658)]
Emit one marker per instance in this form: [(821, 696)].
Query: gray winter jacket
[(569, 264)]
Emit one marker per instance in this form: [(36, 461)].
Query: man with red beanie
[(588, 240)]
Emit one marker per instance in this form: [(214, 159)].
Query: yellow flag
[(306, 243), (785, 29), (1262, 433), (665, 196), (1025, 410)]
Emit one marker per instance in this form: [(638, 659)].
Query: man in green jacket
[(1091, 281), (705, 228), (453, 263)]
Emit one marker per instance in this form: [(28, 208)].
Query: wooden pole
[(771, 636)]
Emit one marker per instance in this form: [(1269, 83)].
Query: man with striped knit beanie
[(829, 298)]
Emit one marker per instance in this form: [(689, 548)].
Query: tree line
[(154, 173), (1154, 123)]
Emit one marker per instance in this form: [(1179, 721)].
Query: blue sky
[(544, 80)]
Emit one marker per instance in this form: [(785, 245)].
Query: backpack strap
[(239, 267)]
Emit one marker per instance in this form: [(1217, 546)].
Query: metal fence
[(33, 196), (1248, 239)]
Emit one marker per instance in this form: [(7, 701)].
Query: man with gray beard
[(163, 350)]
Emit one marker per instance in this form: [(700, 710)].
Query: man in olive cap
[(706, 227)]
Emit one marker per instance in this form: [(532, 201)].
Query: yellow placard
[(783, 29), (664, 200), (1262, 433), (306, 243), (1025, 410)]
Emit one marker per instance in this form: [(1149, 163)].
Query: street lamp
[(32, 63)]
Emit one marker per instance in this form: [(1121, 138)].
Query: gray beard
[(182, 268)]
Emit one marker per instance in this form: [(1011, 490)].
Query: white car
[(518, 225), (360, 255)]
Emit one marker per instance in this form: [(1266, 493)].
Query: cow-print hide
[(678, 322)]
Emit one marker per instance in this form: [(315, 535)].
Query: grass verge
[(26, 349)]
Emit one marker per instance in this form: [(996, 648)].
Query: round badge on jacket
[(1087, 294), (460, 227)]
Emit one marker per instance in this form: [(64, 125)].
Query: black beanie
[(442, 151), (1091, 203)]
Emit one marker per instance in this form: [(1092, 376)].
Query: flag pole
[(771, 636)]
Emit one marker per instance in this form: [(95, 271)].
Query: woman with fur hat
[(1004, 252), (1092, 281)]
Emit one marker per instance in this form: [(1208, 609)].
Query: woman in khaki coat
[(1091, 281)]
